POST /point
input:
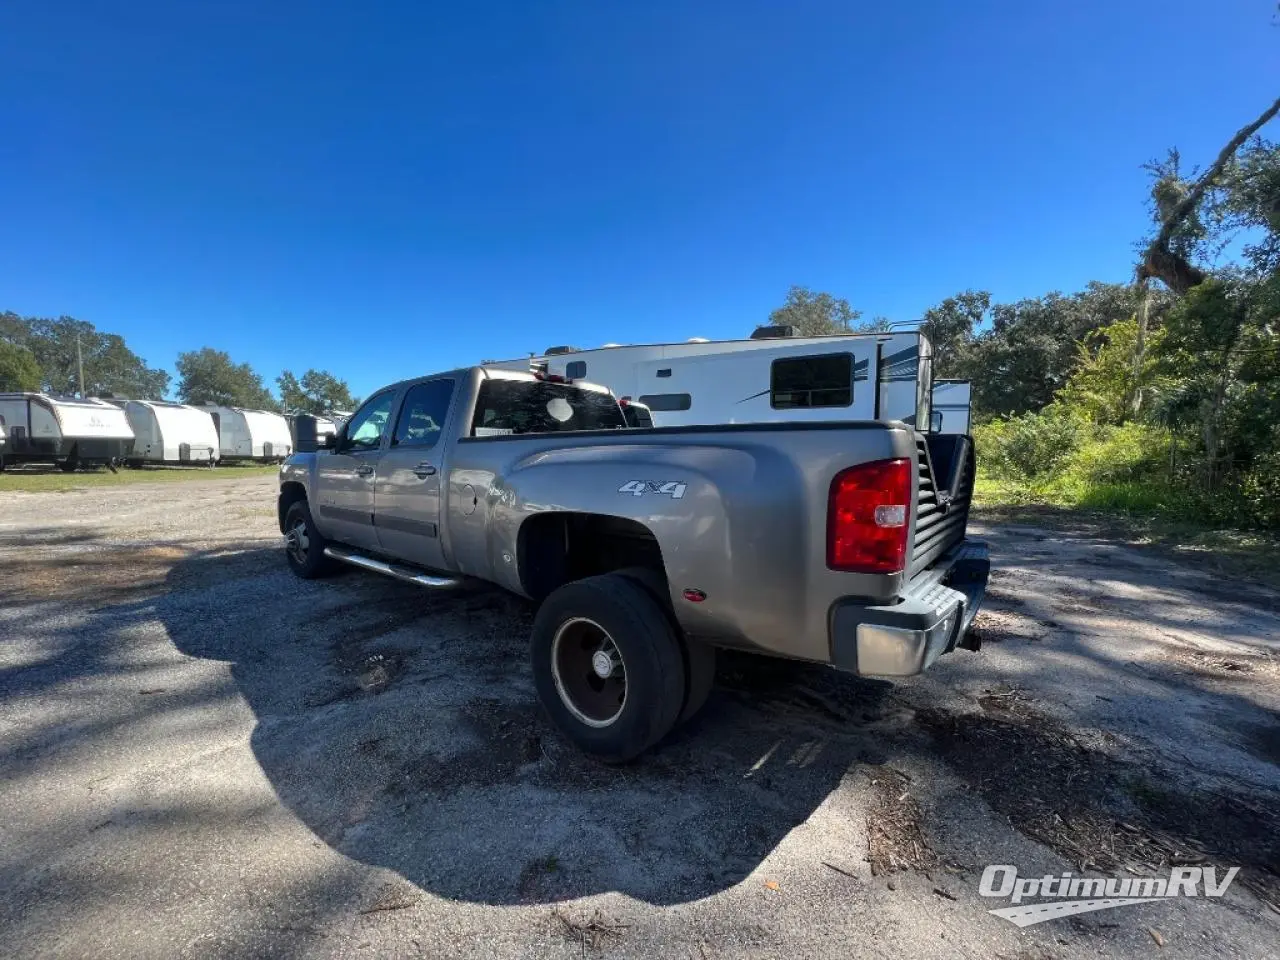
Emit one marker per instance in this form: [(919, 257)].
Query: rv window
[(822, 381), (577, 370), (667, 401), (422, 414), (366, 428)]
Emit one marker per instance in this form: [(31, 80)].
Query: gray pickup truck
[(840, 543)]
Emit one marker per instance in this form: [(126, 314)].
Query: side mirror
[(935, 421), (330, 442)]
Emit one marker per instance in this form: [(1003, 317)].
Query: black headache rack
[(945, 470)]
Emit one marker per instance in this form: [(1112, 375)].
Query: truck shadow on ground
[(402, 727)]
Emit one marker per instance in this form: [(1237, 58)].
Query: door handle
[(364, 470), (424, 470)]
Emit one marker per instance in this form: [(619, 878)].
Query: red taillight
[(867, 516)]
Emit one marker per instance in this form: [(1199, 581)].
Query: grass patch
[(46, 479), (1141, 514)]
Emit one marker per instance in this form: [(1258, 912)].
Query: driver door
[(346, 476), (411, 477)]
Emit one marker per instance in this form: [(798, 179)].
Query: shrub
[(1122, 454), (1030, 446), (1259, 491)]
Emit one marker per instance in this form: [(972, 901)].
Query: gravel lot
[(202, 756)]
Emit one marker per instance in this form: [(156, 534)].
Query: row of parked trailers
[(71, 432)]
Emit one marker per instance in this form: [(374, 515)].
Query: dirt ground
[(202, 756)]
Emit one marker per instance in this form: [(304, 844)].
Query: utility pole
[(80, 365)]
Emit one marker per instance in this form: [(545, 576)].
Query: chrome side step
[(398, 570)]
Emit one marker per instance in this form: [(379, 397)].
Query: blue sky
[(389, 188)]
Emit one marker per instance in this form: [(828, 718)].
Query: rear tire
[(303, 546), (579, 629), (700, 658), (700, 667)]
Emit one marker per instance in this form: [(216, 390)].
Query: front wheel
[(303, 545), (608, 666)]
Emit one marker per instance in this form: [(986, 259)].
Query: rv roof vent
[(776, 332), (697, 340), (557, 351)]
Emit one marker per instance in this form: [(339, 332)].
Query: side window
[(667, 401), (422, 414), (576, 370), (822, 381), (365, 430)]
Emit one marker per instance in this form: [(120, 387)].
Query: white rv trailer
[(170, 433), (880, 376), (250, 434), (42, 428), (953, 404)]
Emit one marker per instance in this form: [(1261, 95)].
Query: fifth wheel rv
[(952, 405), (43, 428), (772, 377)]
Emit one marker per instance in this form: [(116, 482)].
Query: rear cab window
[(515, 407)]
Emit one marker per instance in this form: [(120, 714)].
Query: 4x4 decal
[(668, 488)]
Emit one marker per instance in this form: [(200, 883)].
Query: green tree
[(951, 327), (209, 376), (1219, 328), (13, 328), (816, 314), (18, 368), (1247, 206), (109, 365), (318, 392), (1177, 204), (1105, 379), (1029, 353)]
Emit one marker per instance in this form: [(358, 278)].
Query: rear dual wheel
[(610, 666)]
